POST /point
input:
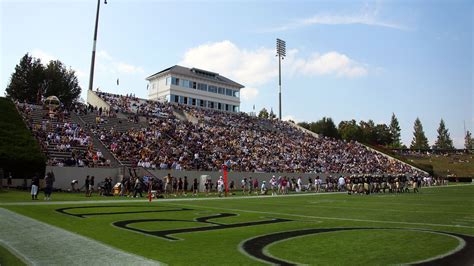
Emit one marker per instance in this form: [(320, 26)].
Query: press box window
[(175, 81)]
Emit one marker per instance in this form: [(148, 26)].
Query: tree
[(61, 82), (31, 80), (468, 141), (349, 130), (395, 132), (325, 127), (263, 113), (383, 135), (419, 142), (444, 141), (368, 132), (304, 125), (272, 114), (27, 82)]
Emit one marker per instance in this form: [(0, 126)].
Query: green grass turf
[(448, 209), (365, 247), (8, 259)]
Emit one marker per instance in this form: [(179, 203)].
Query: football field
[(434, 226)]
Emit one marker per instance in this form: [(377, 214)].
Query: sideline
[(28, 203), (39, 243)]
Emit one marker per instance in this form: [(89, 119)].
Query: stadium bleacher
[(62, 139), (158, 135), (170, 136)]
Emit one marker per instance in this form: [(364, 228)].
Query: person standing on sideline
[(138, 187), (49, 181), (91, 185), (195, 187), (34, 187), (168, 183), (341, 183), (86, 186), (243, 185), (220, 186), (179, 191), (255, 186), (299, 184), (273, 184), (317, 184), (9, 180), (250, 185), (264, 189), (185, 185)]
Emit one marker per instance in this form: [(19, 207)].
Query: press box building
[(197, 87)]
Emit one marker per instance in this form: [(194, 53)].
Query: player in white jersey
[(220, 186), (263, 188), (243, 185), (299, 184), (273, 183), (317, 184)]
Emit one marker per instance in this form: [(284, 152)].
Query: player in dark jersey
[(391, 183), (195, 187), (366, 184), (415, 183)]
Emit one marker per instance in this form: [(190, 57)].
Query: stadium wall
[(64, 175), (235, 176), (96, 101)]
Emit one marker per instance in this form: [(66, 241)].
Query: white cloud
[(44, 56), (250, 67), (110, 64), (367, 16), (127, 68), (248, 93), (331, 63), (254, 68), (104, 55), (364, 19), (81, 74)]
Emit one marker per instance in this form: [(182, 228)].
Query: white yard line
[(38, 243), (324, 217), (25, 203)]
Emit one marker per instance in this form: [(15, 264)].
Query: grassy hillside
[(462, 165), (19, 151), (443, 165)]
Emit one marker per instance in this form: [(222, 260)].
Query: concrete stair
[(97, 142)]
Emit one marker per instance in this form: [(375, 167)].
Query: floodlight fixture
[(281, 53)]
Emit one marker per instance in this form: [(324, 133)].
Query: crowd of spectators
[(242, 142), (66, 143)]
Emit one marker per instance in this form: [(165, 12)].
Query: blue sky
[(345, 59)]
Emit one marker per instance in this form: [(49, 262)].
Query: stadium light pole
[(91, 76), (281, 53)]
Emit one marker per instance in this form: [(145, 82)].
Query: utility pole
[(91, 76)]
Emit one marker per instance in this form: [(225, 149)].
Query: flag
[(224, 169), (147, 86), (117, 82)]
